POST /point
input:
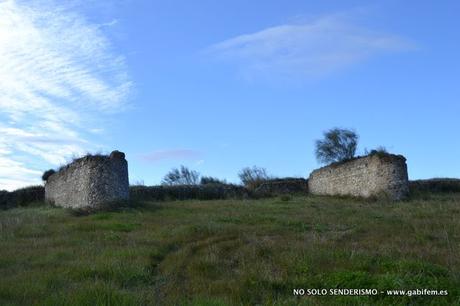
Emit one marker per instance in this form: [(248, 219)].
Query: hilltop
[(232, 252)]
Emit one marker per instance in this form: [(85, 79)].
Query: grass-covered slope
[(231, 252)]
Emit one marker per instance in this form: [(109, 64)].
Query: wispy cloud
[(15, 174), (312, 49), (173, 154), (199, 162), (56, 70)]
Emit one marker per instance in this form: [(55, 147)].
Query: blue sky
[(220, 85)]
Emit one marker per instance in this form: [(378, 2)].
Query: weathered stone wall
[(367, 176), (90, 182)]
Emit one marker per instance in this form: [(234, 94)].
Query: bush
[(28, 195), (6, 199), (22, 197), (435, 185), (187, 192), (211, 180), (253, 177), (47, 174), (380, 152), (182, 176), (338, 145), (282, 186)]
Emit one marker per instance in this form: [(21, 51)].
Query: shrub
[(338, 145), (6, 199), (47, 174), (22, 197), (187, 192), (182, 176), (279, 186), (211, 180), (253, 177), (380, 151), (27, 195), (435, 185)]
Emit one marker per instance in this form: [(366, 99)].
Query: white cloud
[(15, 174), (310, 50), (199, 162), (56, 71)]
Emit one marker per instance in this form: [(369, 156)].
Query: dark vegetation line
[(22, 197), (34, 195)]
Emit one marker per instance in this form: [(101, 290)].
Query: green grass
[(228, 252)]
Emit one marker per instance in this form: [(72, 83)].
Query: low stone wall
[(372, 175), (90, 182)]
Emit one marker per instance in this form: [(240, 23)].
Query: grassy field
[(227, 252)]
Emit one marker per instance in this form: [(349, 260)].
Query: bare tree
[(337, 145), (182, 176), (253, 177)]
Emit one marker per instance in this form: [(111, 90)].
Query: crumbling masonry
[(373, 175), (90, 182)]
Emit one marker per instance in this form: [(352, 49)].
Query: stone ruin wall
[(367, 176), (90, 182)]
